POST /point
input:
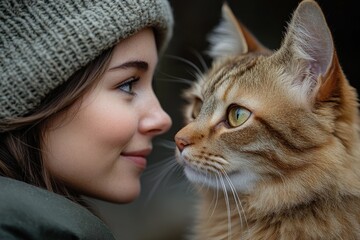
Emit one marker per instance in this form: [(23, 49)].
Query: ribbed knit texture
[(42, 43)]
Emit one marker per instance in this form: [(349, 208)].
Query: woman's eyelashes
[(127, 86)]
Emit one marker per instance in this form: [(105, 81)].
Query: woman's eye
[(236, 116), (127, 86)]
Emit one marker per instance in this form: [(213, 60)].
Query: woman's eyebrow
[(132, 64)]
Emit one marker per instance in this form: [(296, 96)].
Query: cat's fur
[(292, 169)]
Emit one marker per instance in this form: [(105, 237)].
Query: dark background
[(165, 208)]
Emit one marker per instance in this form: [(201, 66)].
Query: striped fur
[(292, 169)]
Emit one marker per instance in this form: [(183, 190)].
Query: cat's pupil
[(237, 114)]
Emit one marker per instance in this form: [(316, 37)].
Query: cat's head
[(259, 115)]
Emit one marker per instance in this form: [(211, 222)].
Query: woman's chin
[(123, 194)]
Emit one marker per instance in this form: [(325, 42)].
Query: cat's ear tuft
[(230, 37), (308, 38)]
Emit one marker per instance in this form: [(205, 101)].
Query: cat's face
[(257, 115), (245, 122)]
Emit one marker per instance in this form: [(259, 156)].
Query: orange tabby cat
[(272, 140)]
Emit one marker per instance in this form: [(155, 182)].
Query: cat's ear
[(231, 37), (309, 42)]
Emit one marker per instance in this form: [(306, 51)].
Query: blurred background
[(166, 207)]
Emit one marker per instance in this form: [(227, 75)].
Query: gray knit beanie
[(44, 42)]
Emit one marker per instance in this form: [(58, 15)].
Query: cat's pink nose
[(181, 143)]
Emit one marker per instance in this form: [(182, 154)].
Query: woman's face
[(99, 146)]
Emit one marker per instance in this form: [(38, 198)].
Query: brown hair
[(21, 138)]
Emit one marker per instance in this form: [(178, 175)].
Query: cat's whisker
[(161, 171), (218, 160), (204, 185), (202, 60), (174, 79), (227, 203), (195, 75), (153, 168), (198, 71), (165, 143), (237, 200), (156, 172), (215, 197), (179, 179)]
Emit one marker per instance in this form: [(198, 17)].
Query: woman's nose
[(157, 121)]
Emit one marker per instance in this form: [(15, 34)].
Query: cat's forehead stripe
[(229, 73), (217, 114), (226, 89)]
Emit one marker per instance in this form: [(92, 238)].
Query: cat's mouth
[(239, 180), (198, 175), (210, 172)]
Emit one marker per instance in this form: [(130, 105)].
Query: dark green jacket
[(31, 213)]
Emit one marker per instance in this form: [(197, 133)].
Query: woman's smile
[(138, 157)]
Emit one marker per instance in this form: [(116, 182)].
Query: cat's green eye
[(236, 116)]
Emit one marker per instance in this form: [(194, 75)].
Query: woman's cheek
[(113, 127)]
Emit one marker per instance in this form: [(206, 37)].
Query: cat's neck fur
[(319, 218)]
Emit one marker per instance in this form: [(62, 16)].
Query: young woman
[(77, 110)]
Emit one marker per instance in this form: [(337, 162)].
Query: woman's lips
[(138, 157)]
